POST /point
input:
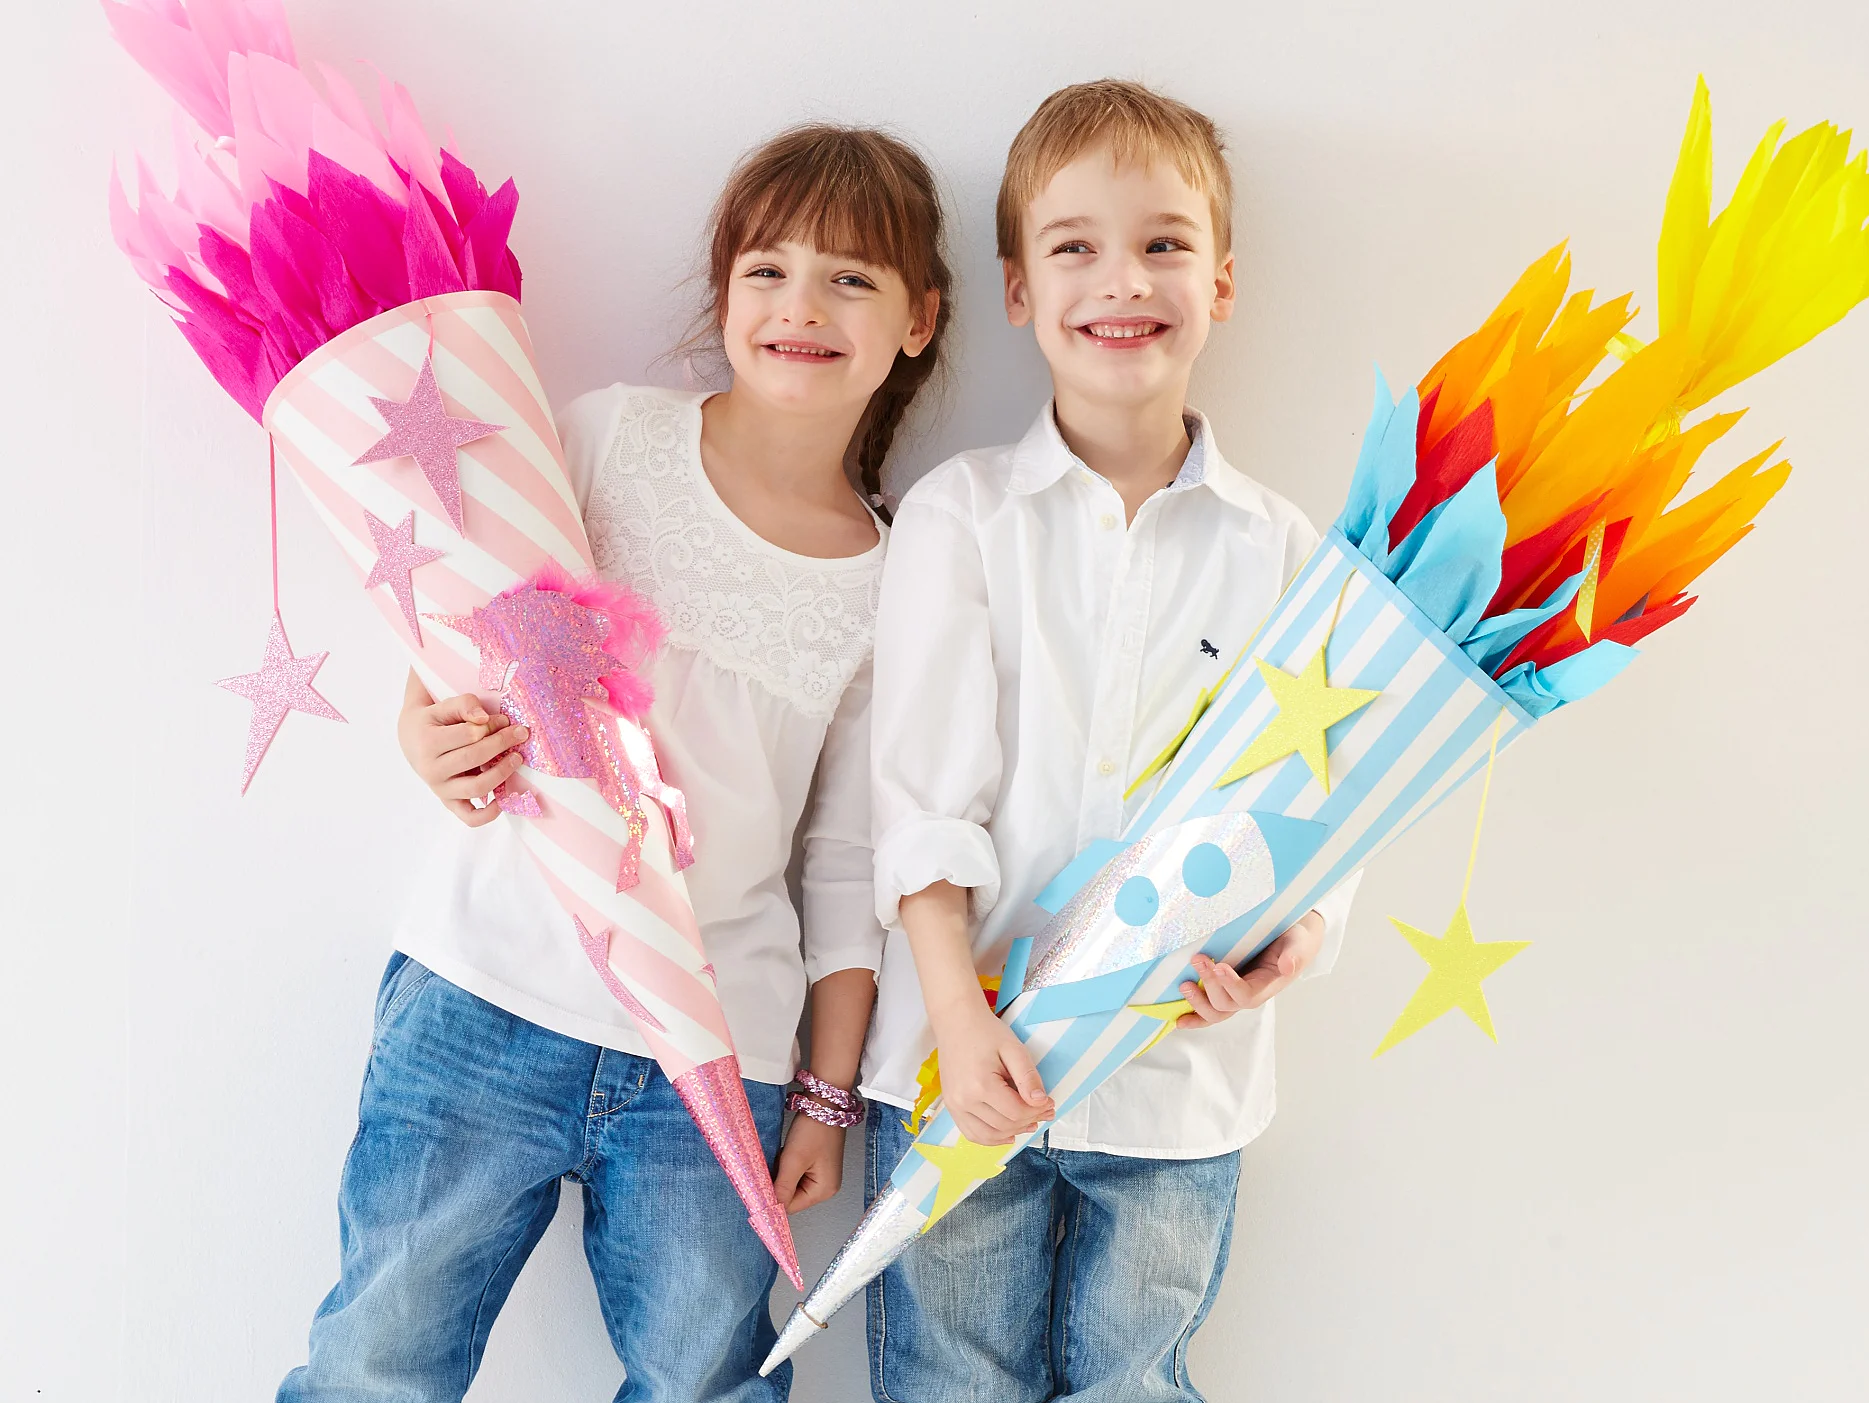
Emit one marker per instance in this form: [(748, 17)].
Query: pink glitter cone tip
[(715, 1098)]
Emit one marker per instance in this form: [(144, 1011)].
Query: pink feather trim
[(636, 630)]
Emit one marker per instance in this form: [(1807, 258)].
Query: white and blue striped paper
[(1427, 733)]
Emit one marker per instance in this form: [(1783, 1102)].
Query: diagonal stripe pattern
[(517, 510)]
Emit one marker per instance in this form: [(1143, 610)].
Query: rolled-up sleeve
[(1335, 909), (936, 760), (839, 916)]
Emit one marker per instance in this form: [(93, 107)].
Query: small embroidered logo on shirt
[(1209, 649)]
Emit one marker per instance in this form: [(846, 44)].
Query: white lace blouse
[(762, 686)]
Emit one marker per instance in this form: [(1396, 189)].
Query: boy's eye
[(1072, 246), (1166, 245)]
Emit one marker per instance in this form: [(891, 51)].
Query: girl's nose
[(802, 308)]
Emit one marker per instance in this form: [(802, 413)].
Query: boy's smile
[(1120, 278)]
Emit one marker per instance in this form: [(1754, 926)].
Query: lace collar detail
[(798, 626)]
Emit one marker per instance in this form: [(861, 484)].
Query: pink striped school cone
[(518, 513)]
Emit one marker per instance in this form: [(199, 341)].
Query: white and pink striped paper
[(519, 510)]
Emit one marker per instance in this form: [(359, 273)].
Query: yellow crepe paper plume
[(1787, 257)]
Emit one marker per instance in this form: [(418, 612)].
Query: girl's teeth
[(1121, 333)]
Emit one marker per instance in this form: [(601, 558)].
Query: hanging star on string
[(962, 1164), (1308, 706), (421, 428), (398, 554), (1456, 965), (282, 684)]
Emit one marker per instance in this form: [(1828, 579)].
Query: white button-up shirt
[(1032, 655)]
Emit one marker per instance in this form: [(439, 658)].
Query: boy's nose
[(1128, 282)]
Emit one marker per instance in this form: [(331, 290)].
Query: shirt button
[(1107, 522), (1106, 767)]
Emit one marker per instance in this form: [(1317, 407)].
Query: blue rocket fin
[(1079, 870), (1012, 978), (1293, 841), (1101, 993)]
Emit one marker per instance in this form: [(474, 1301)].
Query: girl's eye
[(853, 280), (1074, 246), (763, 272)]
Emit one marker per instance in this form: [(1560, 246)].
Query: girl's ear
[(1225, 290), (1018, 309), (922, 329)]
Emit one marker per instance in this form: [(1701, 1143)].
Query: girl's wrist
[(830, 1105)]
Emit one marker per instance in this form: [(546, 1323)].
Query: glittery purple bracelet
[(824, 1103)]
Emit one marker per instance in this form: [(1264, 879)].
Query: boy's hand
[(811, 1164), (989, 1083), (1224, 991), (461, 751)]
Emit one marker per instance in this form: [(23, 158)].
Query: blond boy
[(1049, 610)]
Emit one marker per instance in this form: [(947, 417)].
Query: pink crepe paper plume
[(294, 217)]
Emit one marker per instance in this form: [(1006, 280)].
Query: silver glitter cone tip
[(799, 1327), (884, 1234)]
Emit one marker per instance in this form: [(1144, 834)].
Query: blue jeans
[(470, 1117), (1070, 1275)]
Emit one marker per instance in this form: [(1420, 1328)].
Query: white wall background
[(1651, 1189)]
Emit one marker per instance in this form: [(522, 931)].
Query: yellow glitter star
[(1456, 965), (1169, 1014), (962, 1164), (1308, 706)]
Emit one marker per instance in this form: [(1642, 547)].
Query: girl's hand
[(1224, 991), (989, 1083), (460, 751), (811, 1164)]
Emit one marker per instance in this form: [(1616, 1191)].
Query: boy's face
[(1120, 278)]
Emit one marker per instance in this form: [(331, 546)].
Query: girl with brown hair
[(501, 1066)]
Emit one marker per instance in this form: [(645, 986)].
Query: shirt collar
[(1042, 457)]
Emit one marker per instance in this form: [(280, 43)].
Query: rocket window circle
[(1137, 901), (1206, 869)]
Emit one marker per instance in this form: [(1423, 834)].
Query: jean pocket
[(402, 981)]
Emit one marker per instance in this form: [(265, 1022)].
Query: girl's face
[(817, 332)]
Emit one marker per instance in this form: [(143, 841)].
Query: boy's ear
[(1225, 290), (922, 329), (1018, 308)]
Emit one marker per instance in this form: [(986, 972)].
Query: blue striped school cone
[(1219, 868), (1507, 538)]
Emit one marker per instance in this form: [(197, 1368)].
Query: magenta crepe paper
[(294, 217)]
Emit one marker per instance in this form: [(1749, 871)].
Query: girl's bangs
[(840, 206)]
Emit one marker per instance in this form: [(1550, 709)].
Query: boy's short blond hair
[(1138, 125)]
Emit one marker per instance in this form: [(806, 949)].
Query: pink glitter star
[(597, 948), (282, 684), (397, 555), (421, 428)]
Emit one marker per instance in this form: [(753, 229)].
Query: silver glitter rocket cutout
[(1118, 918)]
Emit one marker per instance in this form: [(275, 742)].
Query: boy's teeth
[(1119, 333)]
